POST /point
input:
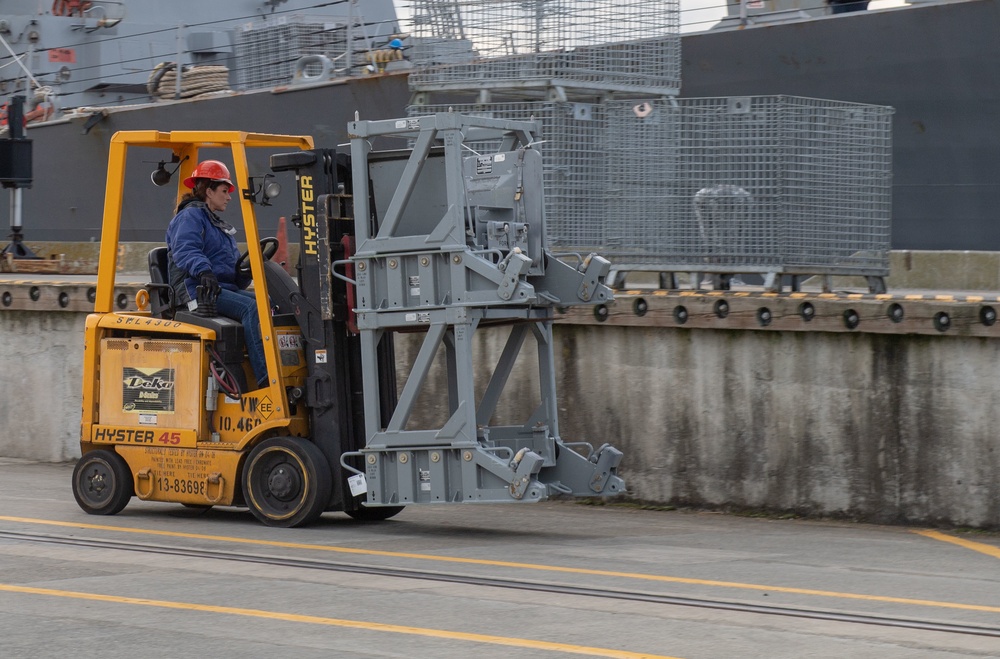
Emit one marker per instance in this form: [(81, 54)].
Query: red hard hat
[(212, 170)]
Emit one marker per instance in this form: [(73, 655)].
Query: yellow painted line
[(511, 564), (913, 297), (339, 622), (974, 298), (944, 298), (855, 296), (884, 296), (661, 293), (989, 550), (798, 295)]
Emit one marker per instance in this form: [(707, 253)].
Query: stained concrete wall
[(875, 427), (40, 400), (885, 428)]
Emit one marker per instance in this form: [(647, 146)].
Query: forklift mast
[(324, 312)]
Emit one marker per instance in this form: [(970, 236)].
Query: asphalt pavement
[(141, 583)]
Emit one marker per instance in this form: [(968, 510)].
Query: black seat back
[(281, 288), (161, 294)]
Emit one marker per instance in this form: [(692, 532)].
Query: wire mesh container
[(514, 46), (575, 164), (751, 184), (763, 184)]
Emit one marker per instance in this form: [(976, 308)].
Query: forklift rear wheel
[(376, 514), (102, 483), (286, 482)]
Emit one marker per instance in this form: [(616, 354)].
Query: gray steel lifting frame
[(455, 241)]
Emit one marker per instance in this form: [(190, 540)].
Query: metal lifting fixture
[(455, 242)]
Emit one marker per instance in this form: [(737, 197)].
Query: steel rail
[(494, 582)]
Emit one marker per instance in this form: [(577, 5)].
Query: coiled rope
[(195, 80)]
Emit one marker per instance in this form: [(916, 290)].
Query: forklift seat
[(229, 341), (161, 294)]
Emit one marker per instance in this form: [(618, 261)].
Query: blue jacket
[(198, 240)]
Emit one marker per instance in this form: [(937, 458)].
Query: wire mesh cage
[(268, 51), (764, 184), (514, 46), (751, 184), (575, 168)]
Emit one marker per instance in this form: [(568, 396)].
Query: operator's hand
[(210, 284)]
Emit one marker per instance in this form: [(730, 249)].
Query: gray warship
[(91, 68), (934, 62)]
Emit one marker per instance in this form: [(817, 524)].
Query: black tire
[(375, 514), (286, 482), (102, 483)]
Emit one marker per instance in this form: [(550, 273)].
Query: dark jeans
[(242, 306)]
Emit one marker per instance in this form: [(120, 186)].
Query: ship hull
[(65, 202)]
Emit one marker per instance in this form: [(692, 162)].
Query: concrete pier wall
[(879, 427), (885, 428), (40, 399)]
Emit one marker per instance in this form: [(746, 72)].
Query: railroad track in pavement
[(494, 582)]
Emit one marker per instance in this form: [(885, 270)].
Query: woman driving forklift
[(203, 254)]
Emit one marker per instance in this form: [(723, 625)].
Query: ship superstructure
[(102, 53)]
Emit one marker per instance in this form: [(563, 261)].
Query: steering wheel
[(269, 247)]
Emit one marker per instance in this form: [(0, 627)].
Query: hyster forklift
[(435, 240)]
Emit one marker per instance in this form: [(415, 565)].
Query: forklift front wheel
[(102, 483), (286, 482)]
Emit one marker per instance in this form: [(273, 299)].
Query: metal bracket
[(607, 458), (512, 266), (596, 269), (527, 463), (94, 119)]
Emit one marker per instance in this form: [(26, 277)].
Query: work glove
[(209, 284), (208, 293)]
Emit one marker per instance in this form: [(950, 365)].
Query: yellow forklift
[(439, 243)]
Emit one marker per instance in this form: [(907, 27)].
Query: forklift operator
[(203, 252)]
